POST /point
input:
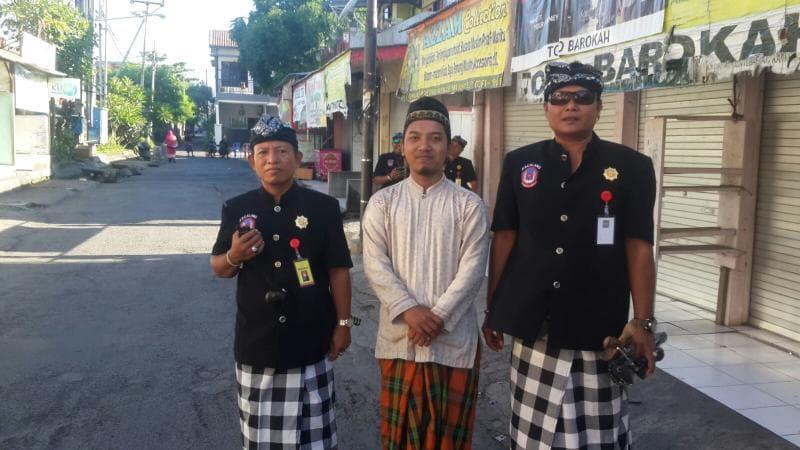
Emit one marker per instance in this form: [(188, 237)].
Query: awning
[(17, 59), (397, 52)]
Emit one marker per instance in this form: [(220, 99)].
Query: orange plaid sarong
[(427, 406)]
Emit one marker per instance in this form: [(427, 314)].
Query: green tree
[(283, 36), (171, 105), (59, 24), (126, 106), (201, 96)]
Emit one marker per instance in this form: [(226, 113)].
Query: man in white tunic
[(425, 253)]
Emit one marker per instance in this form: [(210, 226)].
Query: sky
[(182, 35)]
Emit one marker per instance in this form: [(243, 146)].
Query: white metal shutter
[(525, 122), (775, 293), (689, 278)]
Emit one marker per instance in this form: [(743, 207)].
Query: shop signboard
[(315, 101), (687, 56), (465, 47), (64, 88), (299, 103), (550, 29), (337, 76)]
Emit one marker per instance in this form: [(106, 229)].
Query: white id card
[(605, 230)]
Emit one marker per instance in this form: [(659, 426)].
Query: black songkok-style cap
[(460, 140), (428, 108), (559, 74), (269, 128)]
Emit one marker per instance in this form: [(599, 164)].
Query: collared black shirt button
[(563, 184), (559, 251), (564, 157), (277, 208), (278, 264), (556, 284), (275, 237), (564, 218), (282, 319)]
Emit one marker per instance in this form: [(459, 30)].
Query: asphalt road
[(115, 335)]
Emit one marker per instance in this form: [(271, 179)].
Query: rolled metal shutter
[(692, 279), (775, 292)]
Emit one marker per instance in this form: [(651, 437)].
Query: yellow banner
[(691, 13), (337, 75), (464, 48)]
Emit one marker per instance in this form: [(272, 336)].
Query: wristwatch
[(345, 323), (648, 325)]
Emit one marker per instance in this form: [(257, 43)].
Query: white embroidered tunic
[(426, 247)]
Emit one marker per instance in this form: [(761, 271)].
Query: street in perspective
[(115, 334), (399, 224)]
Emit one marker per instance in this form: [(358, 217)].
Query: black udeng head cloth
[(560, 74), (269, 128)]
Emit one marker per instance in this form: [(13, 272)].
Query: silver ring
[(254, 249)]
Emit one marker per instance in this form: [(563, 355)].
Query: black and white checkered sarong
[(564, 399), (287, 409)]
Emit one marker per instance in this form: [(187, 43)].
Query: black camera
[(625, 363), (276, 296)]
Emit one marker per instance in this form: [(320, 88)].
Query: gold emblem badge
[(610, 174), (301, 222)]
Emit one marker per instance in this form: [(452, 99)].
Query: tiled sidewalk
[(751, 371)]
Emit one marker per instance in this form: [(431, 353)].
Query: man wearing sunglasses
[(573, 237), (391, 167)]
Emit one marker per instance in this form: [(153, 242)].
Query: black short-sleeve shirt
[(386, 163), (556, 270), (298, 330), (460, 168)]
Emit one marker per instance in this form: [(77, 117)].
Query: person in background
[(391, 167), (458, 169), (171, 144), (224, 146)]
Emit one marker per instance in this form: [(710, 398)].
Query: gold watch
[(345, 323)]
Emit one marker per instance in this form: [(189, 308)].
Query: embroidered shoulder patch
[(530, 175)]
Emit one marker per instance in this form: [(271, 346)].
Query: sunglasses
[(581, 98)]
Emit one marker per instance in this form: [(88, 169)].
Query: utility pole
[(147, 14), (368, 104), (155, 60)]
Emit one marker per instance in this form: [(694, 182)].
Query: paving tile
[(787, 391), (690, 342), (754, 373), (700, 326), (791, 369), (678, 358), (793, 438), (765, 354), (730, 339), (782, 420), (718, 356), (671, 329), (702, 376), (741, 396), (676, 315), (665, 306)]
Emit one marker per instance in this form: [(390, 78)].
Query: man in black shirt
[(286, 246), (573, 226), (391, 167), (457, 169)]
